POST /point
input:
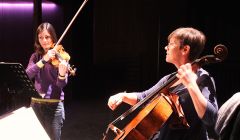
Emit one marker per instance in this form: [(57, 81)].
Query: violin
[(61, 55)]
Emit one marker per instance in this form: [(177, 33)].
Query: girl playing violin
[(195, 88), (49, 81)]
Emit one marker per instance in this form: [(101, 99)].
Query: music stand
[(16, 89)]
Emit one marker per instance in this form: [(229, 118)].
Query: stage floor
[(86, 119)]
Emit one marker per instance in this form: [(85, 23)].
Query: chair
[(228, 120)]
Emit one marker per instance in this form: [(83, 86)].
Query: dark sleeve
[(155, 88), (32, 68), (207, 86)]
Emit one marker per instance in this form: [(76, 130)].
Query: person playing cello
[(195, 88)]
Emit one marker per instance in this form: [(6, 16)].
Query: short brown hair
[(192, 37)]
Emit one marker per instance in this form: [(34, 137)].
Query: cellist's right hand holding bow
[(115, 100)]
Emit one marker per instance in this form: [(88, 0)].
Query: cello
[(160, 106)]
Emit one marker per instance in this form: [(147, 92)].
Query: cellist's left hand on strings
[(115, 100), (186, 75)]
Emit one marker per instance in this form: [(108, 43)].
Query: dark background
[(118, 45)]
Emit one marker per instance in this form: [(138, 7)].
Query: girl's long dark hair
[(44, 26)]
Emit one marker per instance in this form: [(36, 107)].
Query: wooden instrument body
[(148, 121)]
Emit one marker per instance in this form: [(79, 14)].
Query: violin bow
[(65, 31), (67, 28)]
